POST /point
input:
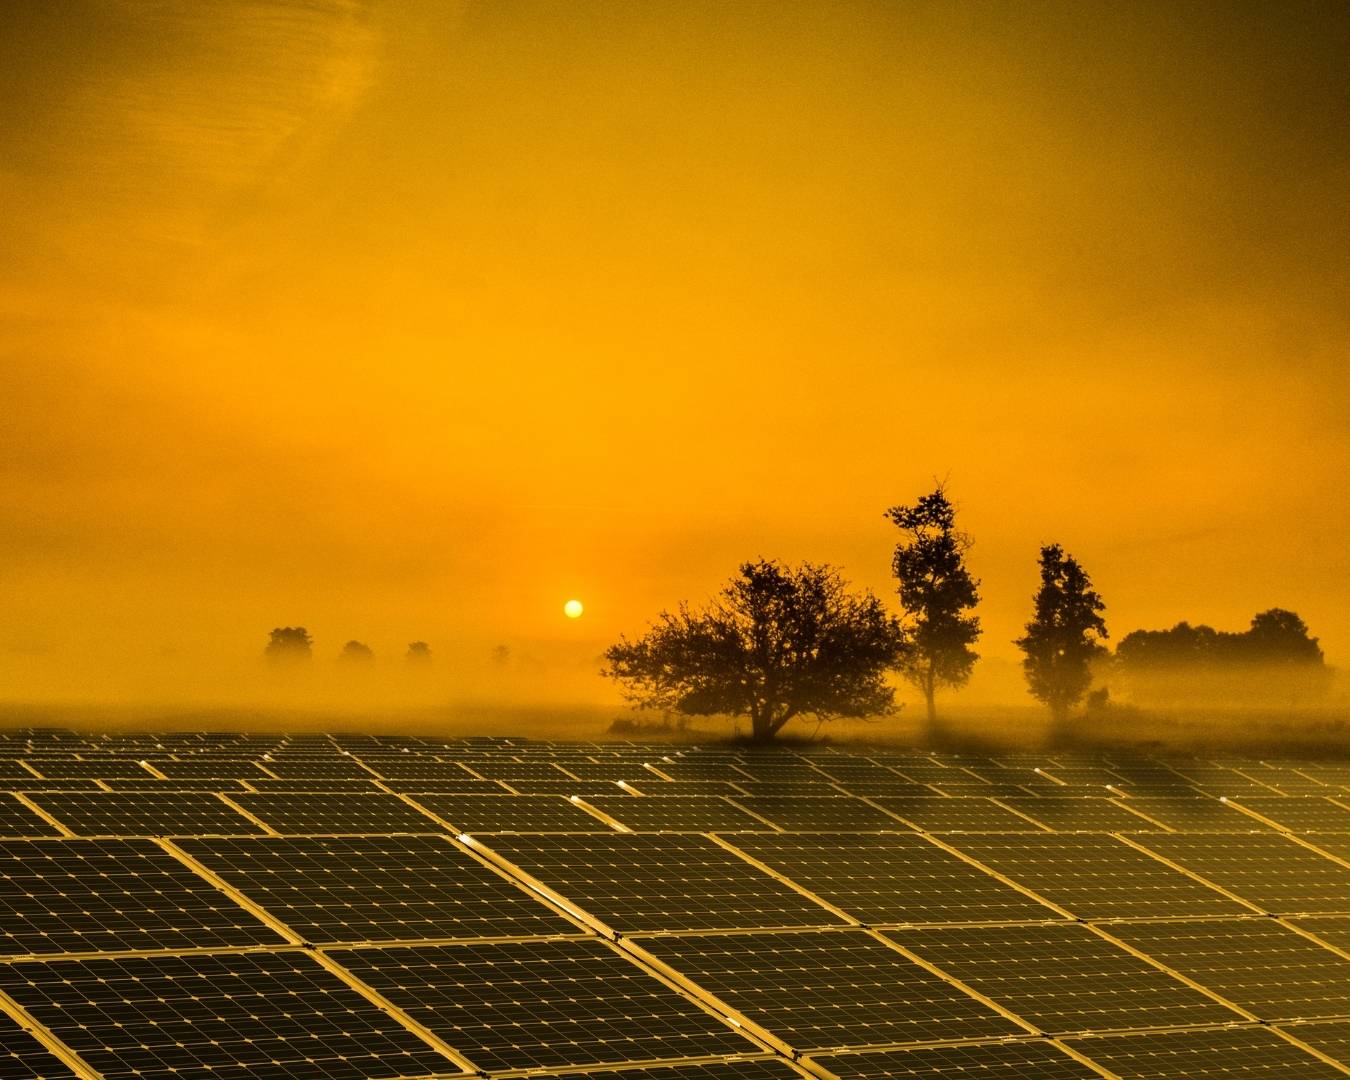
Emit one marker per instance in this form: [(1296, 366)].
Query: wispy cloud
[(191, 105)]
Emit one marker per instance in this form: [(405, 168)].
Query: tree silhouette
[(936, 591), (289, 645), (775, 643), (1063, 636), (419, 652), (355, 652)]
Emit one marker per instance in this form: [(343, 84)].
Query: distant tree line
[(292, 646), (1275, 656), (780, 642)]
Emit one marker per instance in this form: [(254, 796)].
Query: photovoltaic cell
[(1097, 877), (544, 1003), (1237, 1053), (892, 879), (645, 881), (148, 813), (1063, 978), (233, 1016), (1255, 963), (101, 895), (1022, 1060), (1265, 869), (350, 889), (826, 990)]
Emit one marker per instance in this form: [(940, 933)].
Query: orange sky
[(412, 320)]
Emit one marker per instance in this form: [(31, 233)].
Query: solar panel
[(652, 784), (518, 770), (22, 1057), (18, 820), (512, 813), (316, 787), (558, 787), (1077, 814), (1029, 1059), (829, 989), (74, 769), (327, 768), (149, 813), (356, 888), (1337, 845), (1268, 870), (1332, 930), (1332, 1039), (694, 770), (1256, 963), (333, 813), (805, 813), (467, 786), (233, 1016), (749, 1069), (645, 881), (535, 1004), (101, 895), (1300, 813), (1194, 813), (788, 787), (411, 767), (1096, 877), (210, 768), (939, 814), (1063, 978), (891, 879), (1235, 1052), (677, 813)]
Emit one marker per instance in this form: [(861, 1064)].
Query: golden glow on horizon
[(396, 321)]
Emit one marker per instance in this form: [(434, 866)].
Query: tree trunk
[(761, 726), (932, 729), (1059, 722)]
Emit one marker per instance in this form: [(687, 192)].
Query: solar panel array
[(290, 906)]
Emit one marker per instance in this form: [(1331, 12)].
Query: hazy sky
[(412, 320)]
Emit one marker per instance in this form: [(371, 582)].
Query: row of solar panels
[(158, 812), (69, 896), (826, 985)]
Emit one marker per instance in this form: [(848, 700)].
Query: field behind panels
[(231, 906)]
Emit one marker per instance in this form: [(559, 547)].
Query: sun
[(573, 609)]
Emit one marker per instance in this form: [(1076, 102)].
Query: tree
[(775, 643), (1064, 635), (356, 652), (1278, 636), (936, 591), (289, 645), (419, 652)]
